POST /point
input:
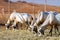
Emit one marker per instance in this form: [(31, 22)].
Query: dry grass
[(24, 35)]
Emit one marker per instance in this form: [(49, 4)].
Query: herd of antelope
[(37, 25)]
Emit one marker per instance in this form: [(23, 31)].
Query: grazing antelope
[(50, 20), (39, 20), (18, 18)]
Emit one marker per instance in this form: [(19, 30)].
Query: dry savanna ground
[(23, 34)]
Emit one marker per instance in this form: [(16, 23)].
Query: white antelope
[(50, 20), (18, 17), (39, 20)]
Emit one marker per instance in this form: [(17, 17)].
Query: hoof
[(6, 28), (40, 35), (35, 34), (13, 29)]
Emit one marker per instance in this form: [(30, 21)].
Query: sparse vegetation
[(24, 35)]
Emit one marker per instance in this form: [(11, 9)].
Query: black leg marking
[(35, 29), (50, 32), (7, 26), (56, 27), (42, 31)]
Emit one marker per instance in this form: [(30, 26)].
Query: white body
[(50, 20), (19, 17)]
